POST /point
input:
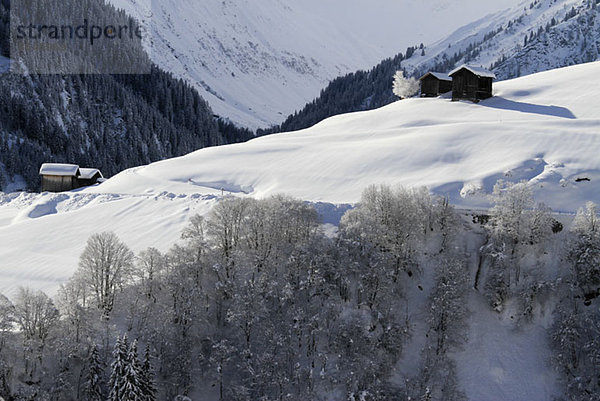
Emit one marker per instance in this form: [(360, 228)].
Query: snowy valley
[(257, 62), (541, 128), (430, 249), (539, 132)]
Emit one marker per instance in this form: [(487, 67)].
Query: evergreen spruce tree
[(118, 370), (133, 390), (147, 377), (130, 380), (93, 384)]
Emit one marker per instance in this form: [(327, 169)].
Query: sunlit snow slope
[(543, 128), (256, 62)]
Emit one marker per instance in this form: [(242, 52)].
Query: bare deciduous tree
[(105, 265)]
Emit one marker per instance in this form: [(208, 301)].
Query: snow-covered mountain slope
[(543, 128), (43, 235), (258, 61), (534, 36)]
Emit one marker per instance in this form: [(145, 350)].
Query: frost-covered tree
[(541, 224), (75, 315), (148, 269), (404, 87), (195, 235), (437, 378), (93, 387), (36, 316), (126, 376), (274, 226), (225, 223), (7, 319), (575, 337), (117, 380), (7, 324), (105, 265), (448, 223), (585, 250), (508, 222), (515, 225), (395, 220), (134, 388), (147, 377), (448, 306)]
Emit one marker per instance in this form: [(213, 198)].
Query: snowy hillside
[(541, 128), (534, 36), (257, 62)]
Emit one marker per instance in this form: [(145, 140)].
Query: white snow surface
[(503, 360), (256, 62), (89, 173), (480, 72), (59, 169), (543, 128)]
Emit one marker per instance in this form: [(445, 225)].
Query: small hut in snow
[(58, 177), (89, 176), (434, 84), (471, 83)]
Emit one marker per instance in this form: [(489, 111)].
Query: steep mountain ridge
[(257, 62), (531, 37)]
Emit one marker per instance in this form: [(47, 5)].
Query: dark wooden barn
[(65, 177), (434, 84), (471, 83), (89, 176)]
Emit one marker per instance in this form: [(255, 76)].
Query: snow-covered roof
[(480, 72), (439, 75), (89, 173), (59, 169)]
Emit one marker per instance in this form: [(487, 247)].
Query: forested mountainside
[(410, 301), (111, 122), (532, 37), (256, 62)]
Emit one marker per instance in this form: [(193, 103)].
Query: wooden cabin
[(89, 176), (434, 84), (57, 177), (471, 83)]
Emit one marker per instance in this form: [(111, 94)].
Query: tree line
[(257, 303)]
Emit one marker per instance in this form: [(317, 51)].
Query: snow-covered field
[(256, 62), (543, 128)]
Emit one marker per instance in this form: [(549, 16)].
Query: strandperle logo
[(78, 37), (85, 31)]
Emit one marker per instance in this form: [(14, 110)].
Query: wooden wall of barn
[(466, 85), (52, 183)]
